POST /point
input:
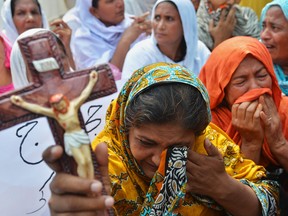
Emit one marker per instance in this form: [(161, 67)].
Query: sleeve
[(243, 170), (136, 58), (267, 192)]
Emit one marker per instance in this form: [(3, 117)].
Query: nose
[(156, 157), (254, 84), (161, 24), (265, 34), (30, 17), (119, 3)]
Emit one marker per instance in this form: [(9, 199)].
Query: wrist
[(224, 190), (279, 146)]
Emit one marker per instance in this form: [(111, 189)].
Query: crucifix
[(49, 80)]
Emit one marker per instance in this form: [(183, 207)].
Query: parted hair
[(14, 2), (177, 103)]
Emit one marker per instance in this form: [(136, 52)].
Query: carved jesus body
[(76, 141)]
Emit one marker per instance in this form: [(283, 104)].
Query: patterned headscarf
[(165, 194)]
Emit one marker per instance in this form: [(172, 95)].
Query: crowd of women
[(201, 124)]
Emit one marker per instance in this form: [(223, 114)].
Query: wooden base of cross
[(48, 78)]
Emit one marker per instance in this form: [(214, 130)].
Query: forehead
[(165, 134), (249, 65), (166, 6), (217, 2), (24, 2), (275, 12)]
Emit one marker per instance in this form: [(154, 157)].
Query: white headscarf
[(146, 52), (9, 29), (93, 43), (17, 64), (72, 17), (138, 7)]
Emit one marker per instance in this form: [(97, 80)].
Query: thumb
[(101, 154), (211, 149)]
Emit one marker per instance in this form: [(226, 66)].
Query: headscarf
[(137, 8), (281, 77), (246, 22), (9, 28), (146, 52), (135, 193), (217, 73), (18, 66), (93, 43)]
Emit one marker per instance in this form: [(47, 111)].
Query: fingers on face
[(246, 111)]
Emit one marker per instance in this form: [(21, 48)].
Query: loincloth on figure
[(75, 139)]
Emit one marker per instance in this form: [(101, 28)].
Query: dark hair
[(177, 103), (95, 3), (14, 2)]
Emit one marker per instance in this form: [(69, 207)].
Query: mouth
[(120, 13), (269, 47), (152, 166), (159, 35), (30, 27)]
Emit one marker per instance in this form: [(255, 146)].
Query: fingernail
[(96, 187), (208, 143), (109, 202), (55, 149)]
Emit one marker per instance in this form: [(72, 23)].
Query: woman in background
[(102, 32), (274, 22), (174, 39), (21, 15), (246, 100)]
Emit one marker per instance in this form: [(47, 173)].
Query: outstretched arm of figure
[(74, 195), (35, 108), (93, 77), (207, 176), (273, 131)]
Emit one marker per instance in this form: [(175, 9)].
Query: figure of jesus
[(76, 140)]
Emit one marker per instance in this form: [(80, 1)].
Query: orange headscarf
[(216, 75)]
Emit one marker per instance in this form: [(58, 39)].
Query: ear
[(94, 12)]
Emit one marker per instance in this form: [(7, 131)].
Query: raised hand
[(274, 135), (62, 30), (206, 173), (225, 27), (74, 195), (246, 120)]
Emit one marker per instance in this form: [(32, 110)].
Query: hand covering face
[(135, 193)]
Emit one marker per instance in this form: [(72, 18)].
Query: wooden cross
[(44, 63)]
